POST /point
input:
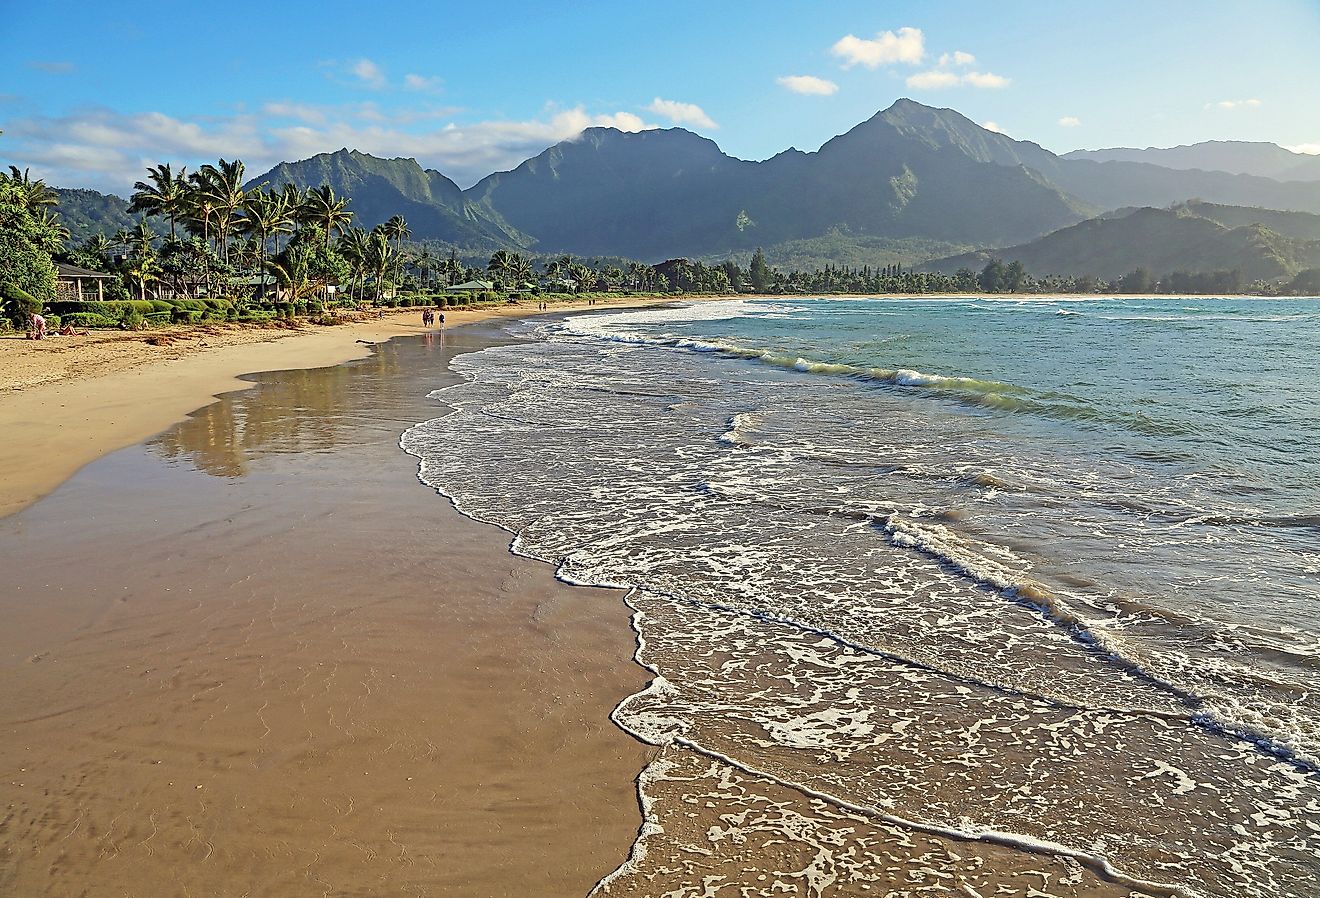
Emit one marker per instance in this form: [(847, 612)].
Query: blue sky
[(89, 97)]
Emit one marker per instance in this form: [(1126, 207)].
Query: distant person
[(38, 327), (68, 331), (442, 320)]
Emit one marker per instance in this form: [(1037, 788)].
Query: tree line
[(222, 237)]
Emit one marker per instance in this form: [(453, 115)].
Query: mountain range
[(914, 179), (1194, 237), (1239, 157), (910, 171)]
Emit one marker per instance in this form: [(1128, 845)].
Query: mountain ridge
[(910, 175), (1161, 241)]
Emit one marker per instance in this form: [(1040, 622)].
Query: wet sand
[(66, 401), (254, 656)]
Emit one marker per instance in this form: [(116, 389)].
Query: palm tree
[(167, 194), (264, 216), (141, 270), (397, 228), (143, 238), (142, 265), (425, 263), (452, 269), (583, 275), (35, 194), (53, 225), (98, 245), (293, 276), (522, 269), (380, 258), (223, 184), (353, 247), (500, 262), (327, 211)]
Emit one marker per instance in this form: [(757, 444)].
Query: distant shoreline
[(67, 401)]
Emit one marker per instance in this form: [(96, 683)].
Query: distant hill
[(88, 212), (1302, 225), (377, 189), (1239, 157), (1159, 240)]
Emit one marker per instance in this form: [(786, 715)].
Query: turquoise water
[(1229, 385), (1041, 575)]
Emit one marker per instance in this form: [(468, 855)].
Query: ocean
[(974, 596)]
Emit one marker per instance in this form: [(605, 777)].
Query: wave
[(973, 392), (741, 426)]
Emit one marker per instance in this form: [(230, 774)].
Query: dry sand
[(254, 657)]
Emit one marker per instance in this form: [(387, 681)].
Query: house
[(70, 281), (472, 287)]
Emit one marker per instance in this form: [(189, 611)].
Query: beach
[(253, 656), (837, 629)]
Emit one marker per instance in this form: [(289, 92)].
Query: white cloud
[(421, 82), (938, 79), (1069, 121), (985, 80), (1309, 149), (957, 57), (304, 112), (933, 80), (368, 73), (681, 113), (1234, 104), (992, 126), (907, 45), (808, 84), (109, 150)]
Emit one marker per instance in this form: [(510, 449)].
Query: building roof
[(72, 272), (474, 285)]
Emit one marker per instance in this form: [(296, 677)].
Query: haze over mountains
[(1195, 237), (911, 173), (1265, 160)]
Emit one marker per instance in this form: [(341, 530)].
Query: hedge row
[(116, 309)]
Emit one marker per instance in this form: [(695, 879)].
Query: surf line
[(1097, 864)]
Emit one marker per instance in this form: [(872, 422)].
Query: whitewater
[(965, 596)]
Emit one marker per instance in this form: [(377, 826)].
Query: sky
[(92, 95)]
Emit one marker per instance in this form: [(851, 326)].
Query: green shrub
[(155, 319), (133, 318), (18, 305), (161, 305), (256, 315), (185, 316), (88, 319), (109, 309)]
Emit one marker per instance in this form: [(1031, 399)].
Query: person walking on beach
[(442, 321), (38, 327)]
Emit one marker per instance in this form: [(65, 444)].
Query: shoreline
[(131, 391), (282, 666)]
